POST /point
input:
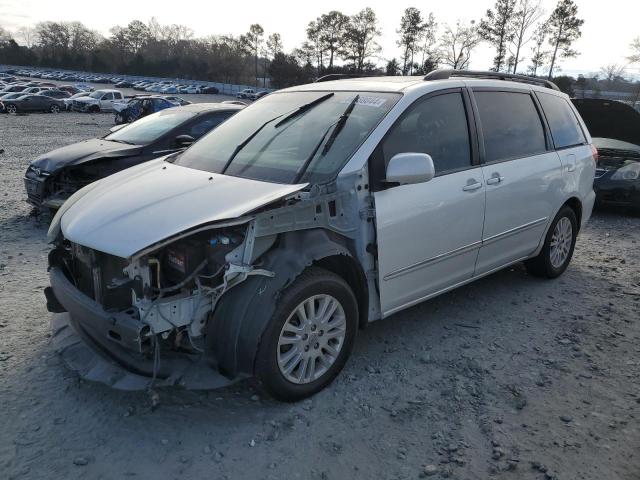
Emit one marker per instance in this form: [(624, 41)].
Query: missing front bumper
[(84, 338)]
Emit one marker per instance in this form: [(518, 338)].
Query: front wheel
[(310, 336), (11, 108), (558, 246)]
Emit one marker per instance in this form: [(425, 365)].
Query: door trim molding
[(432, 260), (459, 251), (514, 231)]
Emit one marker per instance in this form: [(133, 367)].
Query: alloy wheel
[(561, 241), (311, 339), (11, 109)]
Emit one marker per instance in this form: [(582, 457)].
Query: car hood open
[(82, 152), (138, 207), (610, 119)]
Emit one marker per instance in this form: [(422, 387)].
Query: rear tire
[(556, 253), (54, 109), (322, 344)]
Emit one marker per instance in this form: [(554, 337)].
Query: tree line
[(518, 30)]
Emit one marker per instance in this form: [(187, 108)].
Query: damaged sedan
[(55, 176), (263, 248), (615, 128)]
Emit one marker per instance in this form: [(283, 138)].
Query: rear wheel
[(11, 108), (54, 109), (309, 337), (558, 247)]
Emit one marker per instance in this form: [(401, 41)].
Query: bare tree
[(252, 42), (528, 12), (430, 52), (332, 28), (564, 29), (497, 29), (635, 51), (27, 36), (457, 45), (612, 71), (539, 55)]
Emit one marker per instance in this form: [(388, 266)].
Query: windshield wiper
[(120, 141), (340, 125), (244, 143), (337, 127), (300, 110), (311, 156)]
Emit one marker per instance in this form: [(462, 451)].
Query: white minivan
[(265, 246)]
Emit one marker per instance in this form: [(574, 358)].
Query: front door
[(428, 234)]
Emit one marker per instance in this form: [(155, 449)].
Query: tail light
[(596, 155)]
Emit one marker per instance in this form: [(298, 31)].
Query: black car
[(33, 103), (124, 84), (615, 128), (53, 177), (209, 90)]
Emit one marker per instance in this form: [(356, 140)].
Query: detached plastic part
[(82, 358)]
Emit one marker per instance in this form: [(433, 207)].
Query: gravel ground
[(509, 377)]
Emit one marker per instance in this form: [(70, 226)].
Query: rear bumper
[(108, 347)]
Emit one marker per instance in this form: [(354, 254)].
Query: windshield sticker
[(368, 101)]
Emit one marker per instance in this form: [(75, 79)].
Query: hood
[(82, 152), (87, 99), (138, 207), (610, 119)]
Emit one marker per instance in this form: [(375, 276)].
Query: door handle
[(494, 180), (472, 186)]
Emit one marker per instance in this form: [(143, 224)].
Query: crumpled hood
[(143, 205), (82, 152)]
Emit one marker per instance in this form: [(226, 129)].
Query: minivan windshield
[(150, 128), (291, 137)]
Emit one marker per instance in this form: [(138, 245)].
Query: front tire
[(11, 108), (310, 336), (556, 253)]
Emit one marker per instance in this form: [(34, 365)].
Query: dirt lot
[(511, 377)]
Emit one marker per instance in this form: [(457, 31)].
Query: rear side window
[(437, 126), (565, 129), (511, 125)]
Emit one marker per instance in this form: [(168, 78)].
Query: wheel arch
[(576, 205), (235, 328)]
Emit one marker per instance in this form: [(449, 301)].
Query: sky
[(606, 34)]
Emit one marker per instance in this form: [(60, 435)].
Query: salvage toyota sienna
[(265, 246)]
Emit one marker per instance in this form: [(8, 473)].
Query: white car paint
[(173, 199)]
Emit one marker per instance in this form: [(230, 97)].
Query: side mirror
[(408, 168), (184, 140), (115, 128)]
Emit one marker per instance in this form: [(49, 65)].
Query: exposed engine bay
[(168, 292)]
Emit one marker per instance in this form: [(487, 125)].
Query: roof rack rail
[(445, 74), (340, 76)]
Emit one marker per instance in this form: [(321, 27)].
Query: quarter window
[(437, 126), (511, 125), (563, 123)]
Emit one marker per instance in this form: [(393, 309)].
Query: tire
[(118, 119), (11, 108), (54, 109), (94, 109), (545, 264), (317, 286)]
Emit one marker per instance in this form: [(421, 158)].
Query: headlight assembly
[(628, 172)]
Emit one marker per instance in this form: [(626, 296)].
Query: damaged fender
[(235, 329)]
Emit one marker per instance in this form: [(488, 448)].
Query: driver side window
[(437, 126)]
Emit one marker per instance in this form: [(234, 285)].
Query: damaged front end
[(134, 322)]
